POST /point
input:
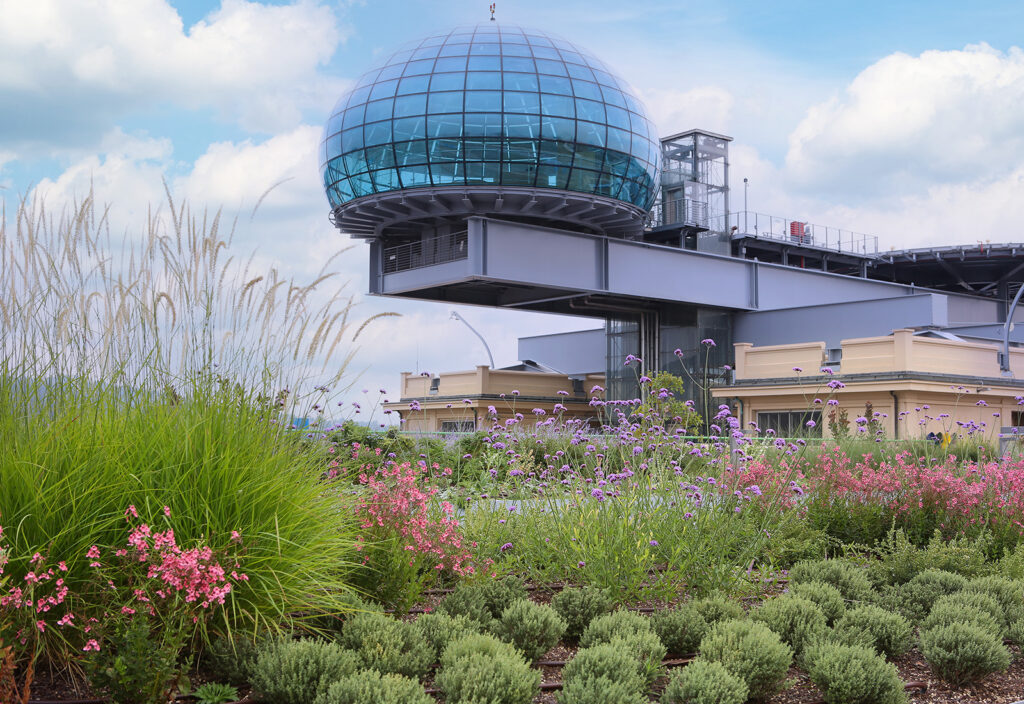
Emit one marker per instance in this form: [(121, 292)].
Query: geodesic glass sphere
[(492, 105)]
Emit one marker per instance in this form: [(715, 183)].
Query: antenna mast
[(493, 5)]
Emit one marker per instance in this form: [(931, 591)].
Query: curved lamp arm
[(456, 316), (1004, 362)]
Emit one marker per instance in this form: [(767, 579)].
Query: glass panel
[(457, 63), (558, 128), (351, 139), (384, 90), (582, 180), (334, 124), (638, 124), (455, 50), (518, 174), (515, 49), (537, 41), (518, 63), (483, 124), (447, 81), (585, 89), (444, 125), (382, 157), (618, 140), (521, 81), (589, 110), (414, 84), (613, 96), (400, 57), (361, 185), (580, 72), (425, 53), (410, 105), (410, 128), (522, 126), (520, 150), (445, 102), (588, 157), (354, 116), (359, 95), (522, 102), (377, 132), (542, 52), (483, 101), (590, 133), (415, 176), (571, 56), (555, 84), (447, 173), (445, 149), (483, 80), (556, 153), (559, 105), (617, 117), (385, 180), (552, 176), (414, 152), (484, 63), (555, 68), (379, 110), (616, 163), (418, 68), (483, 149), (605, 78), (355, 162), (482, 172), (485, 49)]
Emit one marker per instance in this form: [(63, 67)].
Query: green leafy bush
[(477, 669), (215, 693), (500, 593), (963, 652), (969, 600), (947, 612), (371, 687), (704, 682), (388, 645), (578, 607), (600, 690), (533, 628), (680, 628), (471, 601), (232, 658), (606, 662), (827, 597), (717, 608), (295, 672), (616, 624), (133, 667), (848, 578), (647, 648), (440, 629), (796, 620), (900, 560), (888, 633), (915, 598), (1016, 632), (1008, 592), (752, 652), (850, 674)]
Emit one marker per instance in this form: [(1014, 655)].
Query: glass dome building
[(484, 120)]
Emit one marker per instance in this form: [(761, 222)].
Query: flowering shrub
[(408, 536)]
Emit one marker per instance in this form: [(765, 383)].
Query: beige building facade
[(915, 383), (460, 401)]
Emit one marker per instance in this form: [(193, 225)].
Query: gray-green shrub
[(718, 608), (296, 672), (440, 629), (500, 593), (679, 628), (1008, 592), (1016, 632), (478, 669), (533, 628), (232, 659), (974, 600), (946, 612), (851, 674), (752, 652), (470, 601), (915, 598), (388, 645), (371, 687), (578, 607), (848, 578), (618, 623), (600, 690), (888, 633), (796, 620), (647, 648), (704, 682), (610, 662), (827, 597), (963, 652)]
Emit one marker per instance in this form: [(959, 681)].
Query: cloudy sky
[(897, 119)]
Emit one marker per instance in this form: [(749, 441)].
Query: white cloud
[(69, 68), (907, 123)]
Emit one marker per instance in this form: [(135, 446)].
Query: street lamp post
[(746, 185), (455, 316)]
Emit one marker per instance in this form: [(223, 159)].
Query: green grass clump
[(533, 628), (296, 672), (704, 682), (752, 652), (850, 674), (476, 669), (578, 607), (963, 652), (848, 578), (371, 686), (888, 633), (827, 597), (680, 628), (616, 624), (796, 620), (388, 645), (440, 629)]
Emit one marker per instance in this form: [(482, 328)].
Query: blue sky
[(900, 119)]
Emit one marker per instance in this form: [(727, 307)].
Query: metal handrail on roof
[(761, 225), (426, 252)]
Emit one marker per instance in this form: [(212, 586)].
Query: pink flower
[(91, 645), (130, 512), (167, 511)]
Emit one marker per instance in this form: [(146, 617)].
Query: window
[(457, 426), (787, 424)]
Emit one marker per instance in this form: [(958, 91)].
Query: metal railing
[(751, 224), (426, 252), (680, 211)]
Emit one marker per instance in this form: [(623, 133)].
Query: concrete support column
[(741, 349), (903, 341)]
